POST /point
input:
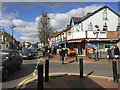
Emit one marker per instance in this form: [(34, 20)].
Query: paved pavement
[(73, 81)]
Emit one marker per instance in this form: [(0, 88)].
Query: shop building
[(96, 31)]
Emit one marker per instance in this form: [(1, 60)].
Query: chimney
[(68, 25)]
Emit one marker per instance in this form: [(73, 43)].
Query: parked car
[(27, 54), (11, 60)]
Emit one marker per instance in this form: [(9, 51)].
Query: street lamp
[(20, 40), (12, 34)]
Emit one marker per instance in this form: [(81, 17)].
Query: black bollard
[(81, 67), (40, 76), (47, 70), (115, 76), (76, 57)]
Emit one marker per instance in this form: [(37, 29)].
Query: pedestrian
[(109, 53), (50, 49), (43, 52), (116, 52), (112, 52), (55, 51), (48, 53), (63, 55), (66, 51), (60, 53)]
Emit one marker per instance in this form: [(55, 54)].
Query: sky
[(24, 15)]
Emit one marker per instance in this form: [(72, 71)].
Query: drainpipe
[(86, 48)]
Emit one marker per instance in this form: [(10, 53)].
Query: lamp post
[(20, 41), (12, 34)]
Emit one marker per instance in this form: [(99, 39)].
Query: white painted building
[(97, 29)]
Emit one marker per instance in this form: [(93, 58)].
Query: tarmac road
[(29, 69), (19, 75)]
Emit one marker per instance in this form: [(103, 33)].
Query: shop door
[(80, 50)]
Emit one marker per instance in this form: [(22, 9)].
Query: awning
[(74, 41), (103, 39)]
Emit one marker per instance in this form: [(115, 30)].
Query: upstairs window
[(105, 14), (69, 33), (90, 27), (105, 27)]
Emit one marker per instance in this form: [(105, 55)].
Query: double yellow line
[(25, 81), (22, 84)]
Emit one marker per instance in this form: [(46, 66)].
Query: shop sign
[(99, 34), (91, 50)]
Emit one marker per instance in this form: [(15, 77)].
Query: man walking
[(60, 52), (63, 55), (112, 52), (66, 53), (109, 53), (116, 52)]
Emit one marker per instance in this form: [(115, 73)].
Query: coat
[(109, 52), (63, 53), (116, 51)]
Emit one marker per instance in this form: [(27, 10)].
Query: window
[(0, 47), (105, 14), (105, 27), (7, 45), (69, 33), (90, 27)]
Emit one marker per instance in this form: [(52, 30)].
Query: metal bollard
[(47, 70), (76, 57), (81, 67), (115, 75), (40, 76)]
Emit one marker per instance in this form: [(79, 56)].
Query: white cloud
[(60, 20), (28, 30)]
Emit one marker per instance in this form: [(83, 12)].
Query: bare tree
[(44, 28)]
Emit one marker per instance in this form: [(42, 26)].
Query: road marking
[(28, 82), (23, 82), (29, 79)]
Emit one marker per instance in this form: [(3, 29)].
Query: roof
[(66, 29), (76, 19), (91, 14), (58, 33)]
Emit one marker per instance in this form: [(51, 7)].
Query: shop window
[(105, 14), (90, 27), (105, 27), (107, 46)]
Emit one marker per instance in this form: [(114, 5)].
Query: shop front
[(78, 46), (100, 48)]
